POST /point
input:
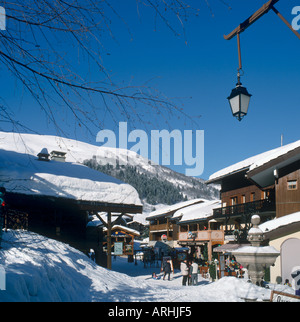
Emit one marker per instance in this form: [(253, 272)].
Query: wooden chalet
[(59, 198), (198, 230), (161, 223), (187, 224), (267, 185)]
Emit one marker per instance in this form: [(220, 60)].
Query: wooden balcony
[(202, 236), (161, 227), (248, 208)]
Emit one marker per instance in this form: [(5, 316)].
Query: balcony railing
[(203, 235), (161, 227), (247, 208)]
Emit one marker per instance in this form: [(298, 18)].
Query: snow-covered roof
[(280, 222), (172, 208), (129, 230), (139, 218), (198, 211), (254, 162), (22, 172)]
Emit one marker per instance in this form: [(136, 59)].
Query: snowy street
[(39, 269)]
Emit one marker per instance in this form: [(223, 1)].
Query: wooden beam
[(109, 240), (248, 22), (286, 22)]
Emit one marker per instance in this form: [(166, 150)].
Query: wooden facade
[(66, 219), (270, 190), (162, 223), (163, 226), (288, 193), (198, 234)]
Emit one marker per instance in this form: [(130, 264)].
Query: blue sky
[(197, 70)]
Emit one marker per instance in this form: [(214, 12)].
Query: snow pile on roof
[(255, 161), (274, 154), (198, 211), (256, 250), (22, 172), (119, 227), (170, 208), (140, 219), (40, 269), (280, 222)]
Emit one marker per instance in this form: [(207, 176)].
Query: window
[(292, 185), (252, 196), (183, 228), (233, 201), (243, 199)]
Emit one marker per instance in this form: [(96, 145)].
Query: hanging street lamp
[(239, 100)]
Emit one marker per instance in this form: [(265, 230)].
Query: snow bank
[(39, 269)]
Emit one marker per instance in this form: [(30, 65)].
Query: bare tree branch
[(36, 49)]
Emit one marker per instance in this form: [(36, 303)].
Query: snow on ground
[(39, 269)]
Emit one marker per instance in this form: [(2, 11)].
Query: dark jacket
[(167, 267)]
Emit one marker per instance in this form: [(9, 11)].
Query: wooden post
[(167, 228), (109, 240)]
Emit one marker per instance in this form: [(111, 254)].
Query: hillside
[(158, 184)]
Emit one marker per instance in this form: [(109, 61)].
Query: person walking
[(184, 271), (194, 273), (190, 273), (167, 269)]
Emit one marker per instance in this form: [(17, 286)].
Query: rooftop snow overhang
[(265, 174), (196, 220), (170, 210), (219, 179)]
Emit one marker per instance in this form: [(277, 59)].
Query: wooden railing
[(161, 227), (245, 208), (202, 235)]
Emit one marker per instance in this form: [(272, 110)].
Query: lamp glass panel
[(245, 99), (235, 104)]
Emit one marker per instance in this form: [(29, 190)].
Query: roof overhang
[(49, 202), (218, 180), (266, 174)]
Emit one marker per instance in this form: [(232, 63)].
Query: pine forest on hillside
[(153, 188)]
